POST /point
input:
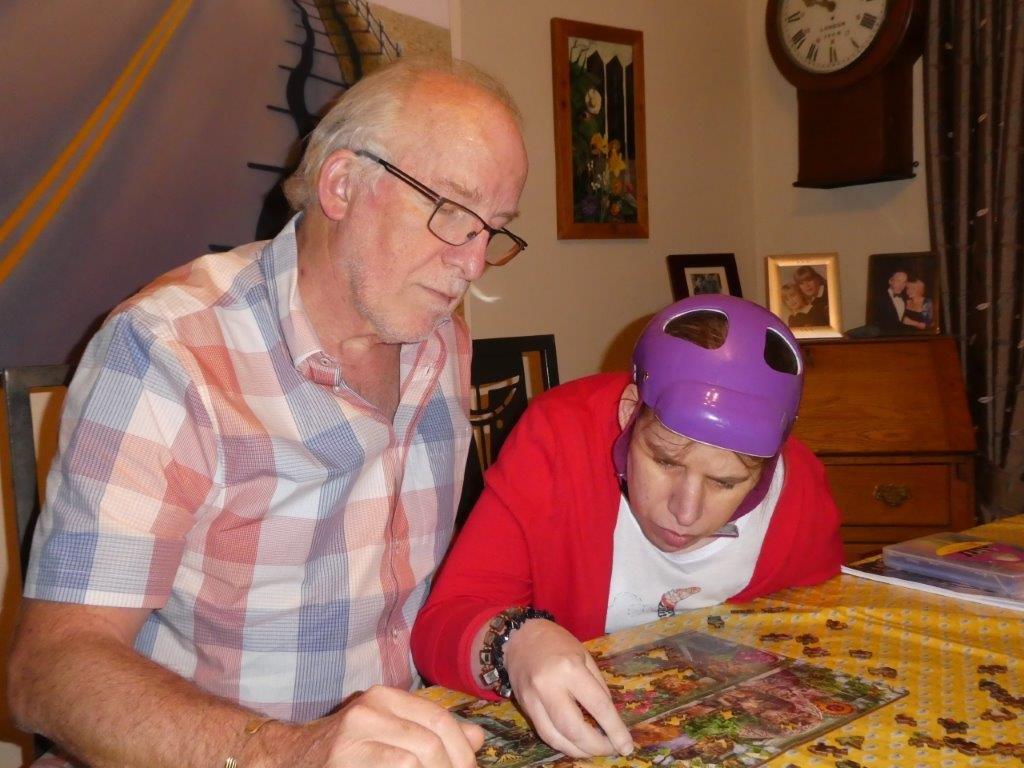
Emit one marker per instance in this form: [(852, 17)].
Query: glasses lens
[(454, 224), (500, 249), (457, 226)]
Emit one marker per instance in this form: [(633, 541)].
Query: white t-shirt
[(648, 584)]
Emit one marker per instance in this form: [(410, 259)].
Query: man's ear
[(334, 184), (628, 402)]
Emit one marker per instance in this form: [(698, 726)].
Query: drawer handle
[(891, 494)]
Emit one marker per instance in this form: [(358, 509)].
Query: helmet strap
[(756, 494)]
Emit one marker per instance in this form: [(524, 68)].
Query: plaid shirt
[(215, 468)]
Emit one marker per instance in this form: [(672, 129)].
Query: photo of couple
[(901, 288), (805, 298)]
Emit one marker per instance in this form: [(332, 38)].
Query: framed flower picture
[(600, 150), (803, 290)]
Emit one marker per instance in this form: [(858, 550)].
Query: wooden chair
[(505, 373), (18, 384)]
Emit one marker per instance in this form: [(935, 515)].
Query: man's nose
[(468, 258)]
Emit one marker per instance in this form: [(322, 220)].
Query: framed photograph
[(693, 273), (803, 289), (903, 293), (600, 151)]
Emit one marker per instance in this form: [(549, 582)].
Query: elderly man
[(261, 456)]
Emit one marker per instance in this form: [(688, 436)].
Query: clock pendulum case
[(852, 63)]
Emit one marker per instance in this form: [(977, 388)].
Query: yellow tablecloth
[(935, 643)]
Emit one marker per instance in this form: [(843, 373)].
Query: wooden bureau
[(889, 419)]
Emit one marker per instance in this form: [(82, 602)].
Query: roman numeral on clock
[(812, 53), (833, 57), (868, 20), (794, 17), (798, 38)]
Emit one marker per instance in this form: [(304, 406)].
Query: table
[(935, 643)]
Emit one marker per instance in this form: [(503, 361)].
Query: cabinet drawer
[(894, 494)]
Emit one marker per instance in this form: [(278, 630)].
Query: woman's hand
[(552, 678)]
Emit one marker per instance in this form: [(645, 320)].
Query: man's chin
[(411, 331)]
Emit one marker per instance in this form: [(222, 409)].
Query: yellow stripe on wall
[(120, 96)]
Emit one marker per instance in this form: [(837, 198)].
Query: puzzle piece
[(920, 739), (1000, 715), (951, 725), (887, 672), (827, 750), (857, 742)]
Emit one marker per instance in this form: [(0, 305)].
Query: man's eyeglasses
[(455, 224)]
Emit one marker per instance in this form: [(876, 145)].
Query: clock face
[(824, 36)]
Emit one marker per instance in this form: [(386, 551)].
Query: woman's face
[(794, 300), (809, 286), (680, 491), (915, 289)]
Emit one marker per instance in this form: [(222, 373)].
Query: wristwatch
[(493, 674)]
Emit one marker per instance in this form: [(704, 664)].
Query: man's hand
[(384, 726), (552, 677), (74, 676)]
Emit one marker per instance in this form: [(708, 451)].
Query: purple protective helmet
[(729, 397)]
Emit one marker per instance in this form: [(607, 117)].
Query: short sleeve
[(136, 462)]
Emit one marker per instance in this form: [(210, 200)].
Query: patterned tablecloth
[(935, 644)]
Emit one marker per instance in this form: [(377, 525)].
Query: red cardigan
[(542, 532)]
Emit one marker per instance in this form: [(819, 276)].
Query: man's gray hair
[(371, 115)]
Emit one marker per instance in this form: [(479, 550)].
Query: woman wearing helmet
[(617, 500)]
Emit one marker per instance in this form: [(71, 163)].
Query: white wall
[(853, 221), (698, 157), (722, 158)]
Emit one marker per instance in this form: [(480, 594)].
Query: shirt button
[(325, 360)]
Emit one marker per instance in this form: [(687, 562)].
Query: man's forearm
[(91, 693)]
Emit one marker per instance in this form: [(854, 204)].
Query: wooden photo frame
[(803, 290), (600, 146), (903, 293), (694, 273)]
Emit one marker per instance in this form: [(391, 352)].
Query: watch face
[(826, 35)]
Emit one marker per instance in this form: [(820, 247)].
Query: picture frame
[(600, 131), (691, 274), (805, 298), (903, 293)]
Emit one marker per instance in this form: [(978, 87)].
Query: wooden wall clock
[(851, 62)]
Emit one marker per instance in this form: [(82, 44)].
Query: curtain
[(974, 92)]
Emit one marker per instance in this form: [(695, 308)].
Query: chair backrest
[(505, 373), (18, 384)]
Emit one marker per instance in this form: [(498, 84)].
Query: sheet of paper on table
[(693, 695), (875, 569)]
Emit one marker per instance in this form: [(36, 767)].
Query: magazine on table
[(875, 569), (696, 699)]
